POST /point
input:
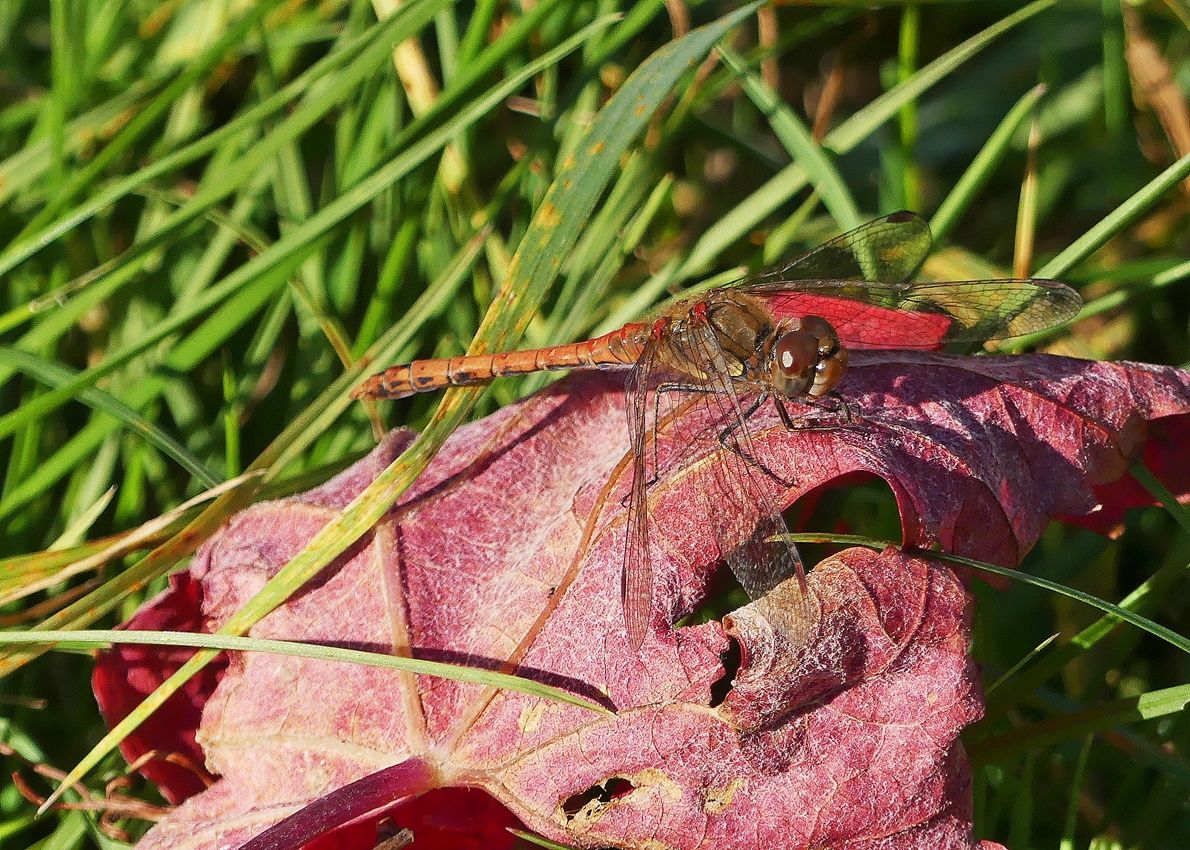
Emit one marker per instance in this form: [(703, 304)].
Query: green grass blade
[(246, 169), (982, 167), (20, 173), (319, 416), (1072, 809), (540, 841), (1117, 220), (1131, 617), (76, 532), (227, 643), (744, 217), (26, 574), (1117, 96), (1096, 718), (147, 116), (1161, 494), (1021, 822), (1124, 615), (356, 55), (820, 171), (57, 376), (1048, 664), (867, 120), (782, 186), (1020, 665), (908, 44)]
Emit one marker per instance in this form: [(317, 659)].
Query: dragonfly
[(780, 337)]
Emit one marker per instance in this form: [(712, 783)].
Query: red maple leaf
[(511, 547)]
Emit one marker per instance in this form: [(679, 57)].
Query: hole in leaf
[(609, 790), (857, 503), (732, 659), (723, 595)]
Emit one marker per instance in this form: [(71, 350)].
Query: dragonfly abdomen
[(616, 350)]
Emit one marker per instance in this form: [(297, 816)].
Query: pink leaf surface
[(839, 731)]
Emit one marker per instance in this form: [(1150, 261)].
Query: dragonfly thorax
[(728, 332), (804, 358)]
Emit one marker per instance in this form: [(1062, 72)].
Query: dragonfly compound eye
[(795, 359), (832, 360), (828, 372), (828, 340), (807, 359)]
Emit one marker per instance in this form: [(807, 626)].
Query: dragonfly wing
[(890, 248), (876, 314), (737, 497), (994, 309), (637, 580)]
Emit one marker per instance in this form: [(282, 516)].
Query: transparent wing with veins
[(859, 282), (890, 248), (637, 591), (735, 490)]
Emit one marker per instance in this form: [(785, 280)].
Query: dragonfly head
[(806, 358)]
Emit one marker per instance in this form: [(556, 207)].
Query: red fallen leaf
[(511, 546), (1164, 451), (126, 674)]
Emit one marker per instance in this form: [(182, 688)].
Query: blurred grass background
[(211, 210)]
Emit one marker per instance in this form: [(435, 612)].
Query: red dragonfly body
[(743, 327), (782, 335)]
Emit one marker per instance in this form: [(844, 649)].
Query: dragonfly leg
[(732, 445), (666, 388), (657, 405), (838, 414), (839, 405)]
